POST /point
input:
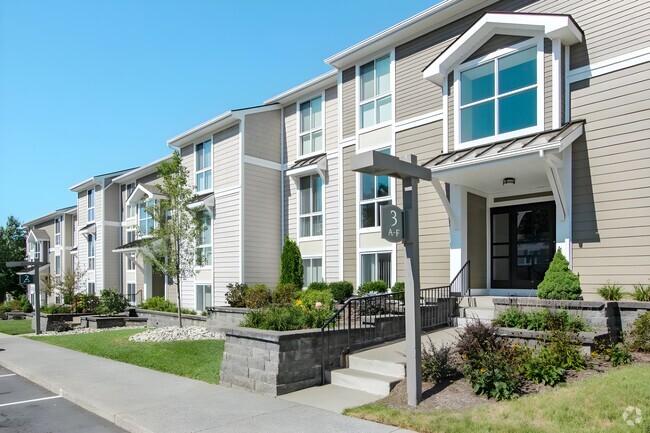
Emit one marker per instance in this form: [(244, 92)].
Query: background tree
[(12, 248), (70, 286), (171, 248), (291, 270)]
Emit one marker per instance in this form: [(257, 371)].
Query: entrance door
[(523, 244)]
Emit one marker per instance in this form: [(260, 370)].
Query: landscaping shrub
[(476, 337), (26, 305), (285, 318), (539, 370), (341, 290), (311, 299), (158, 303), (543, 320), (291, 270), (111, 302), (186, 311), (15, 305), (236, 294), (85, 303), (318, 285), (399, 289), (559, 281), (373, 287), (56, 309), (4, 308), (617, 354), (611, 292), (640, 334), (641, 293), (285, 293), (257, 296), (561, 351), (437, 363)]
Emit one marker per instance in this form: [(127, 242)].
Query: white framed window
[(130, 293), (57, 231), (203, 155), (145, 218), (90, 202), (500, 96), (130, 209), (311, 126), (130, 262), (375, 193), (75, 226), (91, 252), (375, 93), (204, 242), (313, 270), (376, 266), (311, 206), (57, 265), (130, 235), (91, 288), (203, 296)]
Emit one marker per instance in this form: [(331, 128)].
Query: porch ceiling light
[(508, 180)]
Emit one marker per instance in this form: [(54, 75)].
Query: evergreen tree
[(559, 281), (12, 248), (291, 270)]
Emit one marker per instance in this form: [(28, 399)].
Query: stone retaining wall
[(534, 339), (629, 311), (158, 319), (55, 322), (225, 317)]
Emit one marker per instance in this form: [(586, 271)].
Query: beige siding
[(291, 208), (112, 203), (494, 43), (349, 218), (611, 179), (226, 251), (262, 135), (226, 159), (111, 261), (548, 84), (451, 127), (187, 159), (331, 208), (477, 240), (433, 220), (348, 103), (290, 133), (262, 223), (331, 119)]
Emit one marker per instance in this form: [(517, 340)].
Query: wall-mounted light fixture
[(508, 180)]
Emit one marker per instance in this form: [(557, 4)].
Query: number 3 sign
[(392, 223)]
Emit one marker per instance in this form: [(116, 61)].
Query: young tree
[(12, 248), (291, 270), (70, 286), (171, 248)]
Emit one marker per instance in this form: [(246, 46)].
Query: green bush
[(4, 308), (291, 270), (257, 296), (186, 311), (398, 288), (559, 281), (56, 309), (640, 334), (379, 286), (318, 285), (85, 303), (539, 370), (437, 363), (611, 292), (14, 305), (111, 302), (236, 294), (285, 294), (158, 303), (310, 299), (543, 320), (641, 293), (341, 290), (561, 351), (285, 318), (26, 306)]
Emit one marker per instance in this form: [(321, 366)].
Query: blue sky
[(88, 87)]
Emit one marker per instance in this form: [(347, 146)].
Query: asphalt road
[(26, 407)]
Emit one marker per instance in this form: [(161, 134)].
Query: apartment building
[(52, 239)]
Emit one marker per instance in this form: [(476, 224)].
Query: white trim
[(260, 162), (375, 98), (131, 176), (610, 65), (282, 178), (310, 214), (445, 115), (205, 169), (567, 85), (242, 125), (311, 131), (347, 142), (424, 119), (228, 191), (304, 88), (556, 92)]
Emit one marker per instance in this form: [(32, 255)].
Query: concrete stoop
[(474, 308), (374, 376)]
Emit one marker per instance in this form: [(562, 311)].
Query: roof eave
[(145, 170), (321, 82)]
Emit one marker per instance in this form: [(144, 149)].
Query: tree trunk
[(178, 299)]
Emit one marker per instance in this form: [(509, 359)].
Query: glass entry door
[(523, 244)]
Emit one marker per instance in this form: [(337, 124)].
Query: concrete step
[(331, 397), (477, 302), (378, 366), (461, 322), (372, 383), (476, 313)]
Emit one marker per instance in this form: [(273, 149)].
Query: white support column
[(458, 234), (147, 285), (563, 227)]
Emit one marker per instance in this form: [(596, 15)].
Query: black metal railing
[(370, 320)]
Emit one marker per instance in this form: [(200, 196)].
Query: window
[(375, 193), (130, 262), (311, 126), (313, 271), (204, 248), (57, 231), (91, 288), (145, 218), (375, 93), (203, 296), (91, 252), (311, 206), (130, 235), (499, 96), (74, 231), (130, 293), (375, 267), (90, 201), (57, 265), (130, 210), (204, 165)]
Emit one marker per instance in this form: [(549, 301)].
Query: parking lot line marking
[(7, 375), (30, 401)]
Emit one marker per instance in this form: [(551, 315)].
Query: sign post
[(398, 226), (29, 279)]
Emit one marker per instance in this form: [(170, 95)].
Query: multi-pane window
[(57, 265), (91, 252), (499, 96), (375, 193), (204, 242), (375, 93), (203, 296), (91, 288), (203, 155), (74, 231), (130, 236), (90, 202), (313, 270), (311, 126), (311, 206), (57, 231), (130, 209), (145, 217), (375, 267), (130, 293), (130, 262)]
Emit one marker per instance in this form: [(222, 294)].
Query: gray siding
[(332, 220), (348, 103), (262, 135), (349, 218), (111, 260), (226, 158), (290, 133), (611, 179), (494, 43), (226, 248), (433, 220), (112, 203), (451, 127), (477, 240), (187, 159), (331, 119), (548, 84)]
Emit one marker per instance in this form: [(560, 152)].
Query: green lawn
[(594, 405), (16, 327), (194, 359)]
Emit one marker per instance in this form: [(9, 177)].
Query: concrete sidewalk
[(142, 400)]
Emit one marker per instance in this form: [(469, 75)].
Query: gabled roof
[(141, 171), (143, 190), (38, 235), (66, 210), (321, 82), (99, 179)]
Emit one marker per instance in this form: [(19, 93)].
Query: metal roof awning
[(39, 235), (142, 191), (88, 229), (316, 164), (129, 246)]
